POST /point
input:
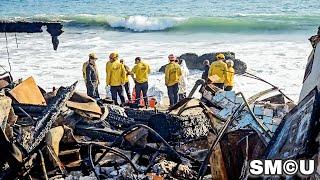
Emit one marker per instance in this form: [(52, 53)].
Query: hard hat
[(114, 55), (220, 56), (93, 56), (171, 57), (230, 62)]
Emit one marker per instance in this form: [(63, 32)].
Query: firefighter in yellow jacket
[(91, 76), (140, 73), (115, 77), (229, 82), (219, 68), (172, 77)]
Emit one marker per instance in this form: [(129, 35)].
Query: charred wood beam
[(51, 114), (195, 87), (97, 133), (32, 110)]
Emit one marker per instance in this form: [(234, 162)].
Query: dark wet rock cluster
[(195, 61)]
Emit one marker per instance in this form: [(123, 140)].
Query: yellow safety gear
[(230, 77), (220, 56), (218, 68), (115, 73), (172, 73), (141, 72), (114, 55), (84, 71)]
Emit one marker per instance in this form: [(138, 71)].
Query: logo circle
[(290, 167)]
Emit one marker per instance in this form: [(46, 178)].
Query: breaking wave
[(237, 23)]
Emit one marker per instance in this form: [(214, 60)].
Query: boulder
[(194, 61), (240, 67)]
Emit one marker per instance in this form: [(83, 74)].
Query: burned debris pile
[(65, 134)]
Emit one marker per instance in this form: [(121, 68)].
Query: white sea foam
[(144, 23)]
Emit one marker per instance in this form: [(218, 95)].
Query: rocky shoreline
[(195, 61)]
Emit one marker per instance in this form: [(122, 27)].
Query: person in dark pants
[(141, 72), (115, 78), (172, 78), (142, 87), (115, 92), (92, 77), (173, 93), (126, 81), (205, 73)]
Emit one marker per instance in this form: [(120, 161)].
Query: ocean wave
[(237, 23)]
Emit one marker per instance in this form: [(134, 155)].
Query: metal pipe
[(253, 115), (91, 161), (155, 134), (43, 166), (249, 75), (116, 152), (24, 112)]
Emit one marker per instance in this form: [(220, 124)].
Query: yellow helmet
[(114, 55), (220, 56)]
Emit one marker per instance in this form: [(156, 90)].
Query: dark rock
[(194, 61), (191, 59), (240, 67), (212, 56), (208, 56)]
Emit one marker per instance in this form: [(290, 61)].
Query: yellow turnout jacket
[(218, 68), (115, 73), (172, 73), (141, 72), (230, 77)]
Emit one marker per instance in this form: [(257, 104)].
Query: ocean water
[(270, 36)]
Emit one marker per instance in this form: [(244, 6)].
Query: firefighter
[(172, 78), (219, 68), (140, 73), (91, 76), (229, 82), (115, 78)]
